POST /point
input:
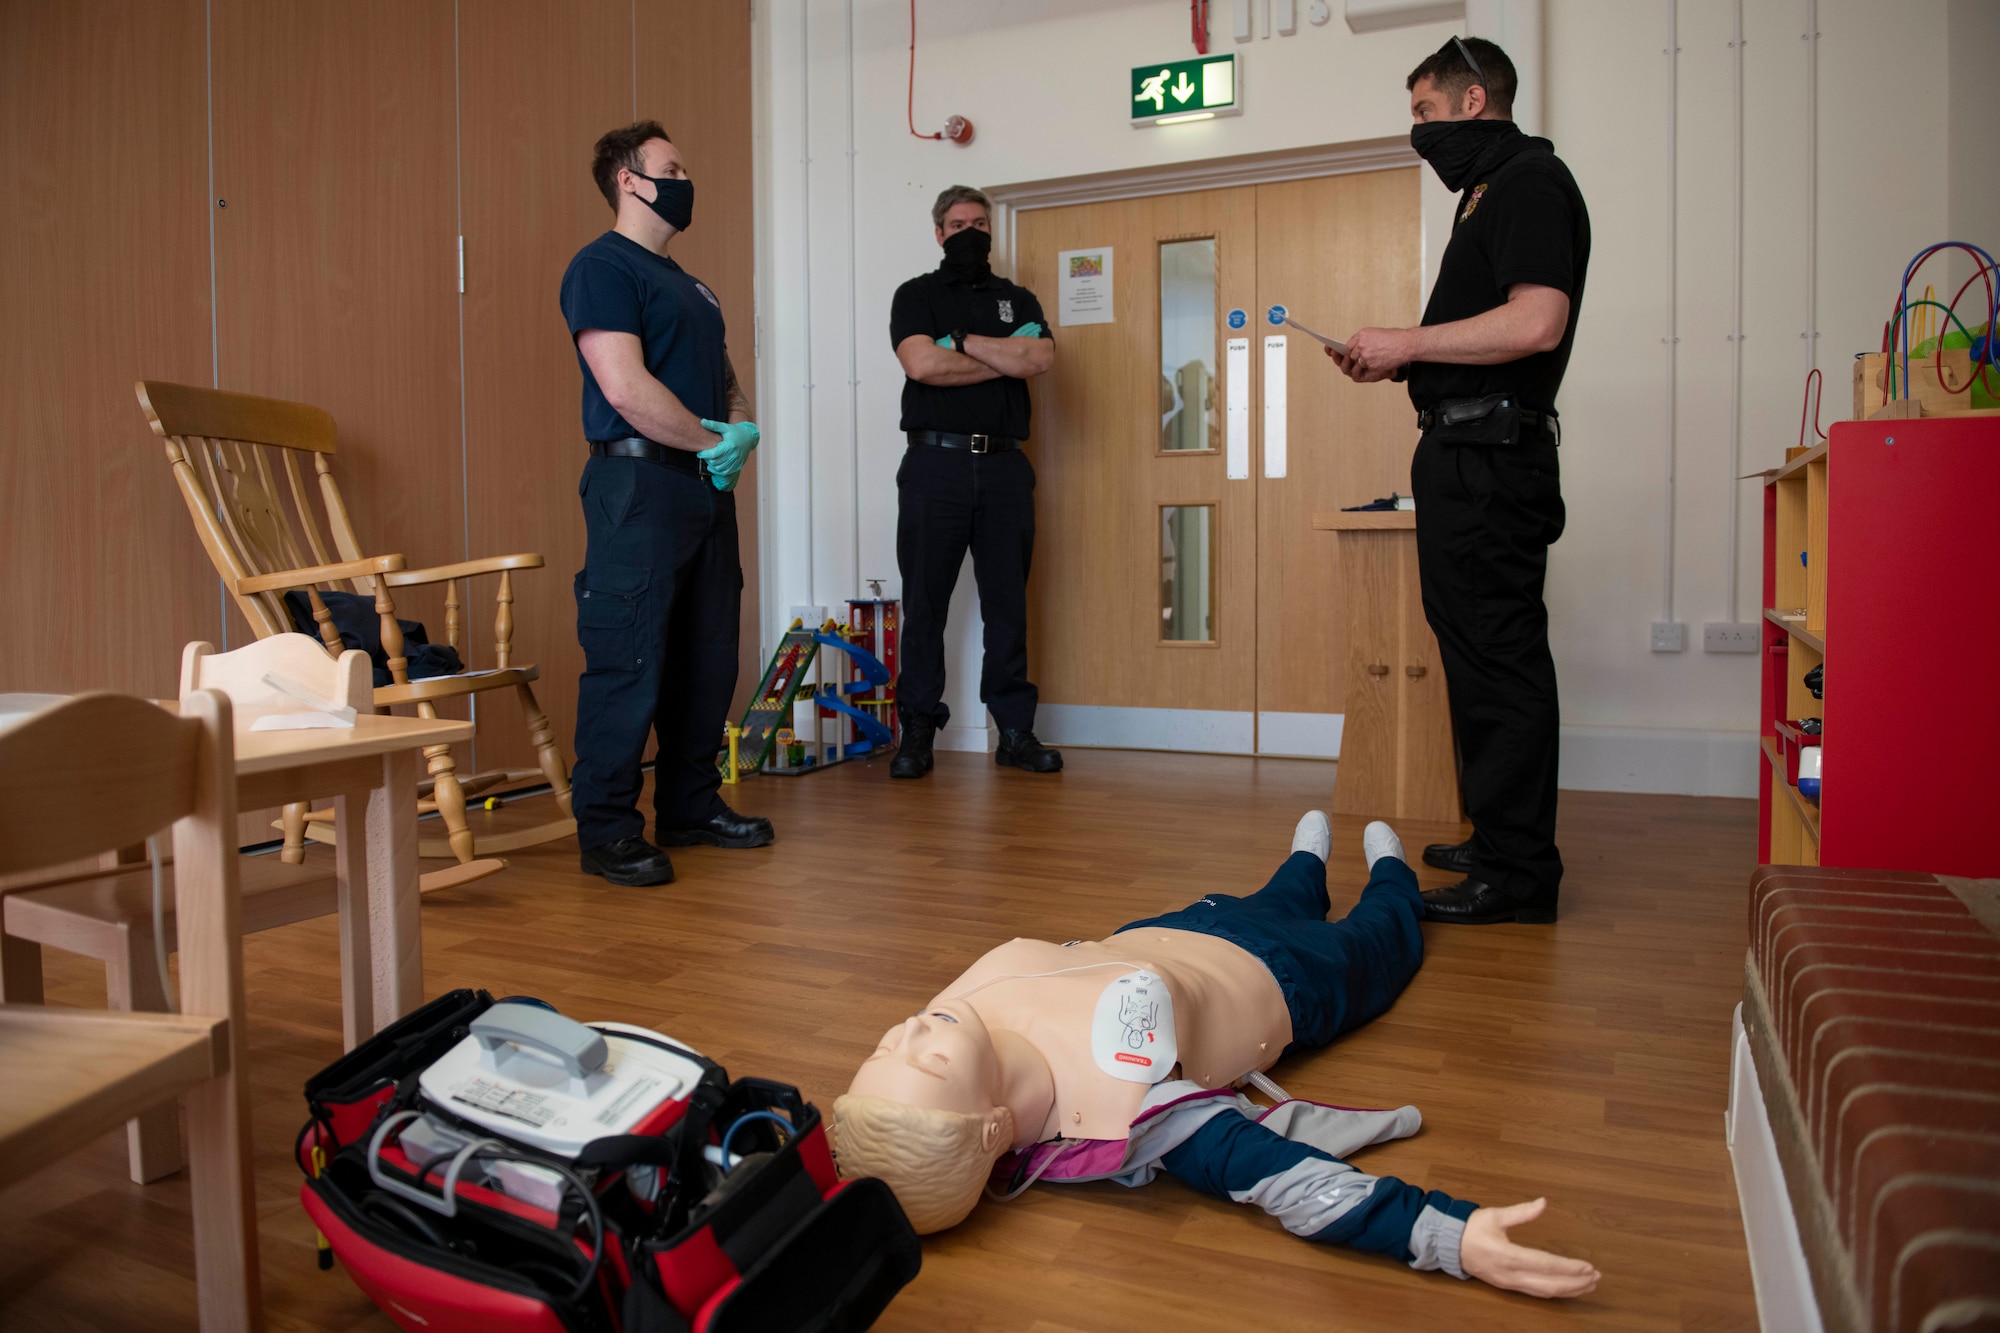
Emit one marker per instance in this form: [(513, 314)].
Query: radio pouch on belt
[(1489, 420)]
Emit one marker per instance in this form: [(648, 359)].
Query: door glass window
[(1188, 419), (1187, 573)]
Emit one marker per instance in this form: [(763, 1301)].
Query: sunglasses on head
[(1478, 74)]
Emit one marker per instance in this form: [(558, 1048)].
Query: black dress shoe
[(632, 862), (1453, 856), (913, 756), (1473, 902), (1020, 749), (727, 829)]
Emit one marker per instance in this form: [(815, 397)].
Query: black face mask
[(1455, 148), (966, 252), (673, 200)]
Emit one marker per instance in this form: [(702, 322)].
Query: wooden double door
[(1182, 599)]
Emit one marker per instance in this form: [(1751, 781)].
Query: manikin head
[(1468, 78), (925, 1114)]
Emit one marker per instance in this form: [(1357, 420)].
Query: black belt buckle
[(701, 471), (980, 444)]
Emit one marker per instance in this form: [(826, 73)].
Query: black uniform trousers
[(1486, 516), (949, 501), (657, 604)]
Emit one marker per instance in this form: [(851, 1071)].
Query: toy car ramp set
[(495, 1167)]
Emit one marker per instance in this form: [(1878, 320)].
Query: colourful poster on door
[(1083, 287)]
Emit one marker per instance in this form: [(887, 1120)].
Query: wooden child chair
[(227, 450), (85, 777), (109, 916)]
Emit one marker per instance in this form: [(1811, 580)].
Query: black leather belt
[(634, 446), (1535, 426), (978, 444)]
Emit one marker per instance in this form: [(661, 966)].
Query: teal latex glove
[(726, 457), (945, 342), (1028, 330)]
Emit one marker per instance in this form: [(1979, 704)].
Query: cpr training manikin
[(1117, 1059)]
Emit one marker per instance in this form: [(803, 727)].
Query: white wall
[(1044, 83)]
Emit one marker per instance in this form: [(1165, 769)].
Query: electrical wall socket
[(813, 616), (1667, 636), (1723, 637)]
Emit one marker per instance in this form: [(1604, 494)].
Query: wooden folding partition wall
[(314, 253)]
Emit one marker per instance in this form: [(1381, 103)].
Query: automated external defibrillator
[(498, 1167)]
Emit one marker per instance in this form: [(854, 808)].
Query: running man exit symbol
[(1190, 89)]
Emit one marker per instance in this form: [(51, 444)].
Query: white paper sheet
[(1083, 287), (1237, 408), (1274, 406), (299, 722)]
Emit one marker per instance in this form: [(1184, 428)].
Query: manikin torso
[(1229, 1015)]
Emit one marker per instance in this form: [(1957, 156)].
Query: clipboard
[(1334, 343)]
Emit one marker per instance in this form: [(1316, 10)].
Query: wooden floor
[(1586, 1061)]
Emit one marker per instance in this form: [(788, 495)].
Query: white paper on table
[(299, 722), (1083, 287), (1274, 406), (1237, 408)]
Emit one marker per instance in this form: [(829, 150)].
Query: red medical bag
[(496, 1168)]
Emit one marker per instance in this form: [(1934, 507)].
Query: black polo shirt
[(1522, 220), (617, 284), (935, 305)]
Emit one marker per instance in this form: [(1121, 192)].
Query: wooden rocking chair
[(227, 450)]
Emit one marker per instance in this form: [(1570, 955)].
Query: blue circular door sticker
[(1276, 314), (1237, 319)]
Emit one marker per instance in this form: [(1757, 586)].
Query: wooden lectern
[(1396, 756)]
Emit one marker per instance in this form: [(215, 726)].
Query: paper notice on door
[(1274, 406), (1083, 287), (1237, 404)]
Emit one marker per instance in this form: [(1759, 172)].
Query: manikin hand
[(1487, 1254), (1375, 354)]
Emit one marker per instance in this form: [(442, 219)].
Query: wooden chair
[(109, 917), (88, 776), (227, 451)]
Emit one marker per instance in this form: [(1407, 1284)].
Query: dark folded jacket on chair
[(354, 616)]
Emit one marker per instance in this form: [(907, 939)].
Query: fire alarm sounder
[(959, 130), (1132, 1034)]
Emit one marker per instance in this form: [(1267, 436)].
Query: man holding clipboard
[(1483, 369)]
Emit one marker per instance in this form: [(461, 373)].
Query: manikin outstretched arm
[(1319, 1197)]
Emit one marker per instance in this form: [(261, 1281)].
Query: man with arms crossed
[(661, 587), (969, 341), (1483, 370)]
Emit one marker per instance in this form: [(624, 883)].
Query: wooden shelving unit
[(1881, 554)]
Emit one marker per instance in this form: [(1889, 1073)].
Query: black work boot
[(1020, 749), (913, 757), (632, 862)]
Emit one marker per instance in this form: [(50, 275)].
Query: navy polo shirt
[(619, 285)]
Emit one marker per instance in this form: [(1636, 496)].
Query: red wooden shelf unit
[(1882, 565)]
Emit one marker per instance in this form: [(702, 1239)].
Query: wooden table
[(370, 771), (1396, 755)]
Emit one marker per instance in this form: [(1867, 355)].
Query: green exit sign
[(1177, 90)]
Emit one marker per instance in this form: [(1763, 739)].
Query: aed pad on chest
[(1132, 1033)]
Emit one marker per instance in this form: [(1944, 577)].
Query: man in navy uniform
[(658, 598), (1483, 370), (969, 342)]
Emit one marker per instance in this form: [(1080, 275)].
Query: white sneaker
[(1379, 840), (1314, 834)]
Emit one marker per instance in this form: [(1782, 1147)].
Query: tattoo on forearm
[(732, 391)]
